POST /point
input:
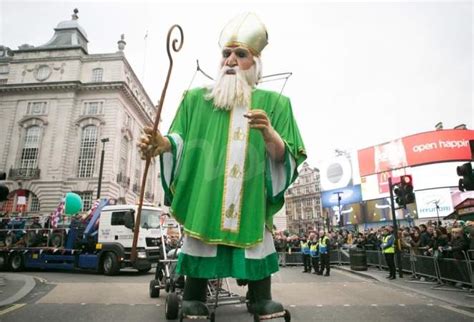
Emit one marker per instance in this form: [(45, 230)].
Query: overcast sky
[(363, 72)]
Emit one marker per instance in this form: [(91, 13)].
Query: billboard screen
[(379, 210), (418, 149), (351, 213), (430, 203), (351, 194)]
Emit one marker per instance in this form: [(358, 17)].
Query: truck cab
[(115, 235)]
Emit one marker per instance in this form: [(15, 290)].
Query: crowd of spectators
[(453, 240), (428, 239)]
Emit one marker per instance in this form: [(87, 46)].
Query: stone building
[(60, 107), (303, 201)]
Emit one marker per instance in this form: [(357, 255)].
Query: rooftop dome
[(68, 34), (71, 24)]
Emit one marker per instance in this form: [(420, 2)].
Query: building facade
[(303, 202), (61, 108)]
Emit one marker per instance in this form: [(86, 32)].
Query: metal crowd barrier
[(294, 258), (335, 257), (456, 270), (373, 258), (470, 257), (470, 254), (440, 269), (406, 262), (344, 256)]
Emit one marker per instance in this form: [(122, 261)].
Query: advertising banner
[(418, 149), (431, 203), (376, 186)]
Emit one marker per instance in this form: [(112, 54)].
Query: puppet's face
[(236, 57)]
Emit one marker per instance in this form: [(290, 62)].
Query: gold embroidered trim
[(219, 241)]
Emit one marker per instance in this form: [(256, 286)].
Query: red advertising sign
[(418, 149)]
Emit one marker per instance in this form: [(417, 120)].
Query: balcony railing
[(123, 180), (24, 174)]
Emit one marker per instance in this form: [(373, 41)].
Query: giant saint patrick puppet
[(229, 155)]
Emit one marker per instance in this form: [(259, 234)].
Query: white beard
[(230, 91)]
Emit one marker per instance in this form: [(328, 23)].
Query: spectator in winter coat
[(458, 244), (426, 239)]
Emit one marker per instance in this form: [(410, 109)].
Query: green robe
[(195, 184)]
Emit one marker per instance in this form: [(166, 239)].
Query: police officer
[(314, 252), (324, 253), (305, 253), (388, 249)]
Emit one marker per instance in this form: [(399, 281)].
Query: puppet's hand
[(259, 120), (152, 143)]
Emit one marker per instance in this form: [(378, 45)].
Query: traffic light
[(3, 188), (403, 191), (407, 185), (467, 180)]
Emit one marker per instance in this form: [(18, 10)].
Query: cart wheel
[(256, 318), (247, 303), (212, 317), (154, 288), (172, 286), (287, 316), (16, 262), (3, 262), (172, 307)]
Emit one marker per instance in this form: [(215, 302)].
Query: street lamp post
[(339, 193), (395, 228), (437, 212), (101, 168)]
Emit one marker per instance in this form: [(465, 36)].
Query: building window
[(4, 69), (92, 108), (138, 171), (34, 205), (87, 152), (124, 149), (97, 74), (29, 154), (36, 108), (86, 197)]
